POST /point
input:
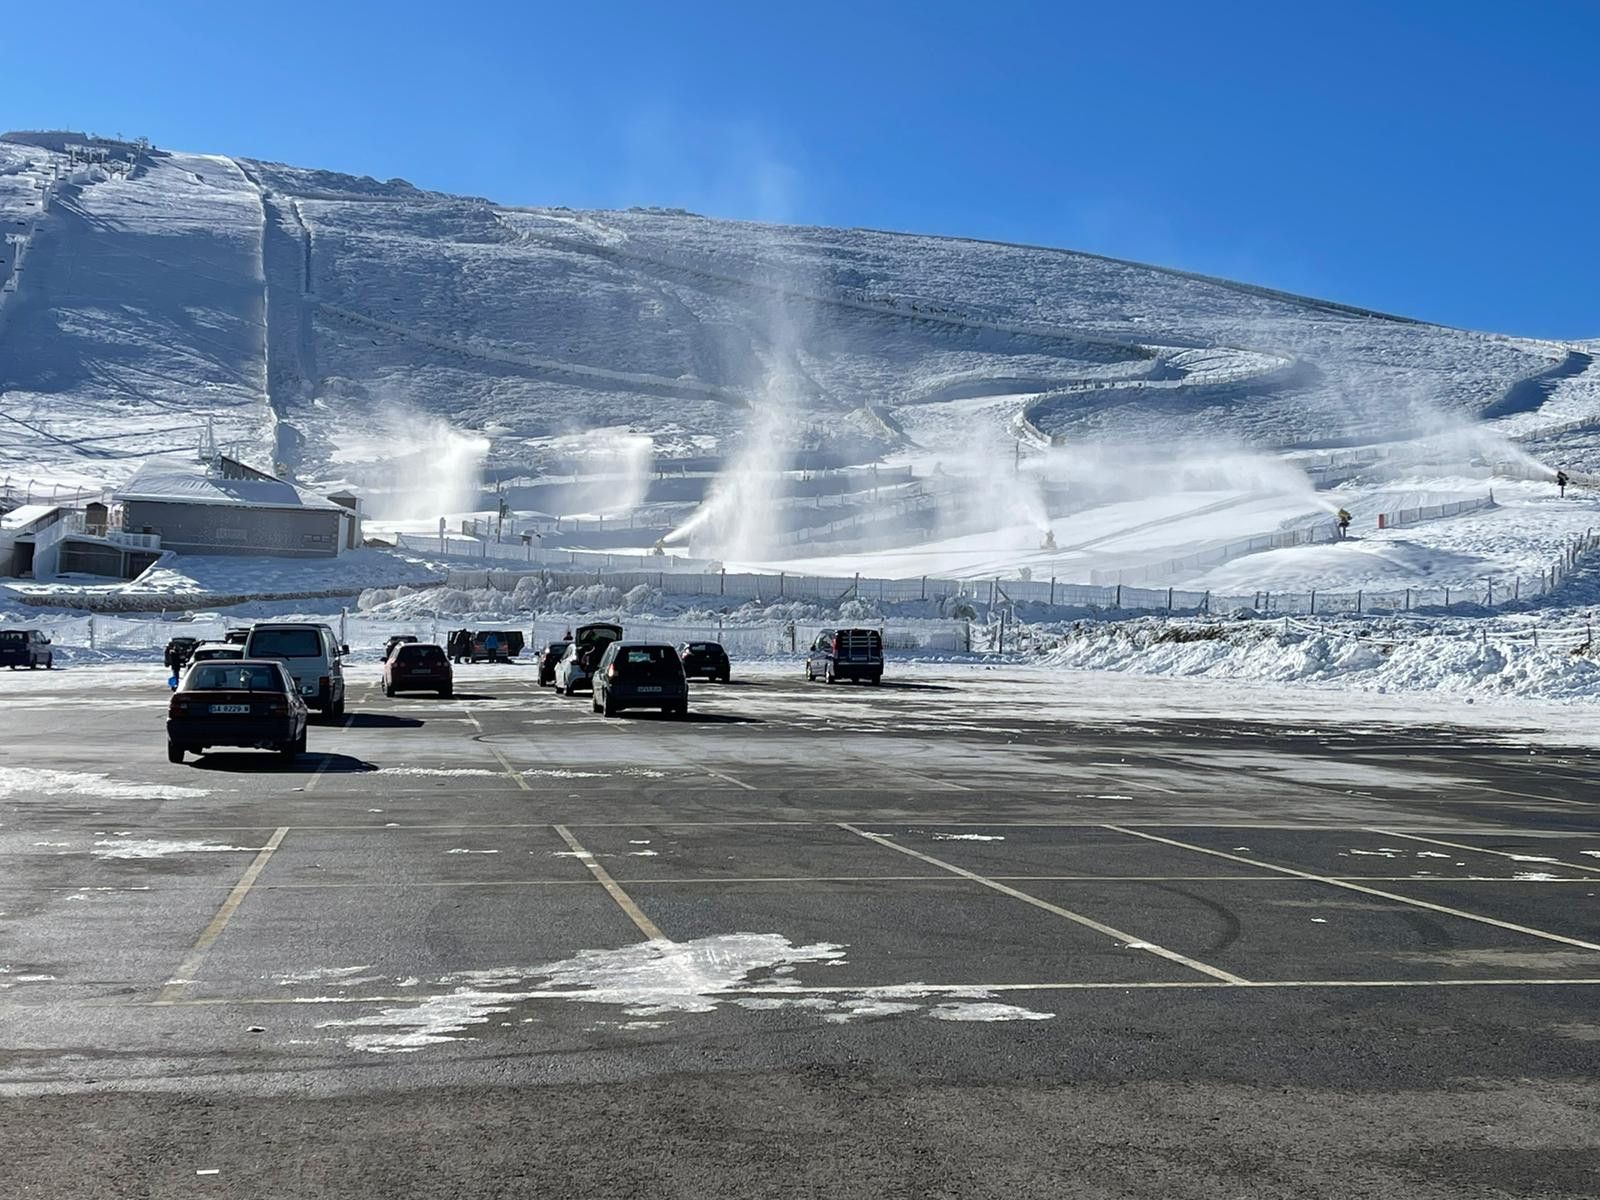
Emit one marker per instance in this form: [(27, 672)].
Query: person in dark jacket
[(1561, 482)]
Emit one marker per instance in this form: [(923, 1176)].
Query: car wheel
[(50, 663), (608, 708), (810, 675), (289, 751), (338, 707), (388, 689), (876, 680), (723, 678), (447, 691), (33, 664), (174, 752), (829, 677)]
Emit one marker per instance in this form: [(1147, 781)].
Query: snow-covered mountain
[(316, 319)]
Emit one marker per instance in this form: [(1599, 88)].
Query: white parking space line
[(1332, 881), (624, 901), (749, 787), (1412, 837), (219, 921), (1078, 918)]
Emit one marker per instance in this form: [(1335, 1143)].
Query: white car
[(589, 642), (311, 655), (211, 651)]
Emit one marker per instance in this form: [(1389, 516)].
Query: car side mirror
[(345, 650)]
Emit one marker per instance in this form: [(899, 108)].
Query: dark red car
[(418, 667)]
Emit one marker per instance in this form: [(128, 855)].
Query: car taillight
[(322, 683), (836, 645), (278, 708), (178, 706), (611, 671)]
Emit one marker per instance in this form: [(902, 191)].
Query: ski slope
[(358, 329)]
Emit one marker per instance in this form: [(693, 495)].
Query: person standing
[(1561, 482)]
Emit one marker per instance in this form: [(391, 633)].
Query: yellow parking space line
[(1077, 918), (624, 901), (512, 773), (186, 970), (1331, 881)]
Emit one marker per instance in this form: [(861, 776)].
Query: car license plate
[(421, 671), (649, 689), (230, 708)]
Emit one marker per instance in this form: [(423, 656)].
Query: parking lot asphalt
[(976, 932)]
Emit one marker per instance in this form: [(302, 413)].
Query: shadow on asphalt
[(692, 718), (368, 720), (267, 763), (892, 685), (435, 697)]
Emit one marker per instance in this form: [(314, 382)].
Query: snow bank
[(1418, 658)]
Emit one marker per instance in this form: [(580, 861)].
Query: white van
[(312, 657)]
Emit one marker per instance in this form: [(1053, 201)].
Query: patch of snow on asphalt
[(464, 850), (34, 781), (660, 977), (968, 837), (156, 848), (440, 772), (986, 1012)]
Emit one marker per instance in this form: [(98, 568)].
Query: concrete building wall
[(233, 529)]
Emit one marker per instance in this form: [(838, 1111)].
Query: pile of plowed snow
[(1413, 658)]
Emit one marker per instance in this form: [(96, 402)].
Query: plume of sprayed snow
[(739, 517), (416, 465)]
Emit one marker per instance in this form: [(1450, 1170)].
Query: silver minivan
[(311, 655)]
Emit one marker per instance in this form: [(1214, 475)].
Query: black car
[(246, 702), (706, 659), (399, 639), (846, 654), (548, 658), (25, 648), (178, 651), (640, 675)]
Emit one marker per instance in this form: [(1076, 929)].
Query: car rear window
[(647, 660), (226, 677), (704, 647), (423, 654), (286, 643), (558, 647), (10, 637), (217, 652)]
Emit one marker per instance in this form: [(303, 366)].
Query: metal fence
[(1216, 555), (1430, 512), (368, 634)]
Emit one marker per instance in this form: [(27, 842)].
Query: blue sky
[(1433, 159)]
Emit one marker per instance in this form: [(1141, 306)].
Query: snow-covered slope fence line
[(1430, 512), (1216, 555)]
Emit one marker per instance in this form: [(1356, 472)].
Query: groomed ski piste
[(792, 404)]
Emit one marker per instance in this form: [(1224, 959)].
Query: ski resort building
[(225, 507)]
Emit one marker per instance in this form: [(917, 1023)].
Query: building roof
[(172, 481), (19, 519)]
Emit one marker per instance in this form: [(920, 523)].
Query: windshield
[(220, 677), (285, 643)]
